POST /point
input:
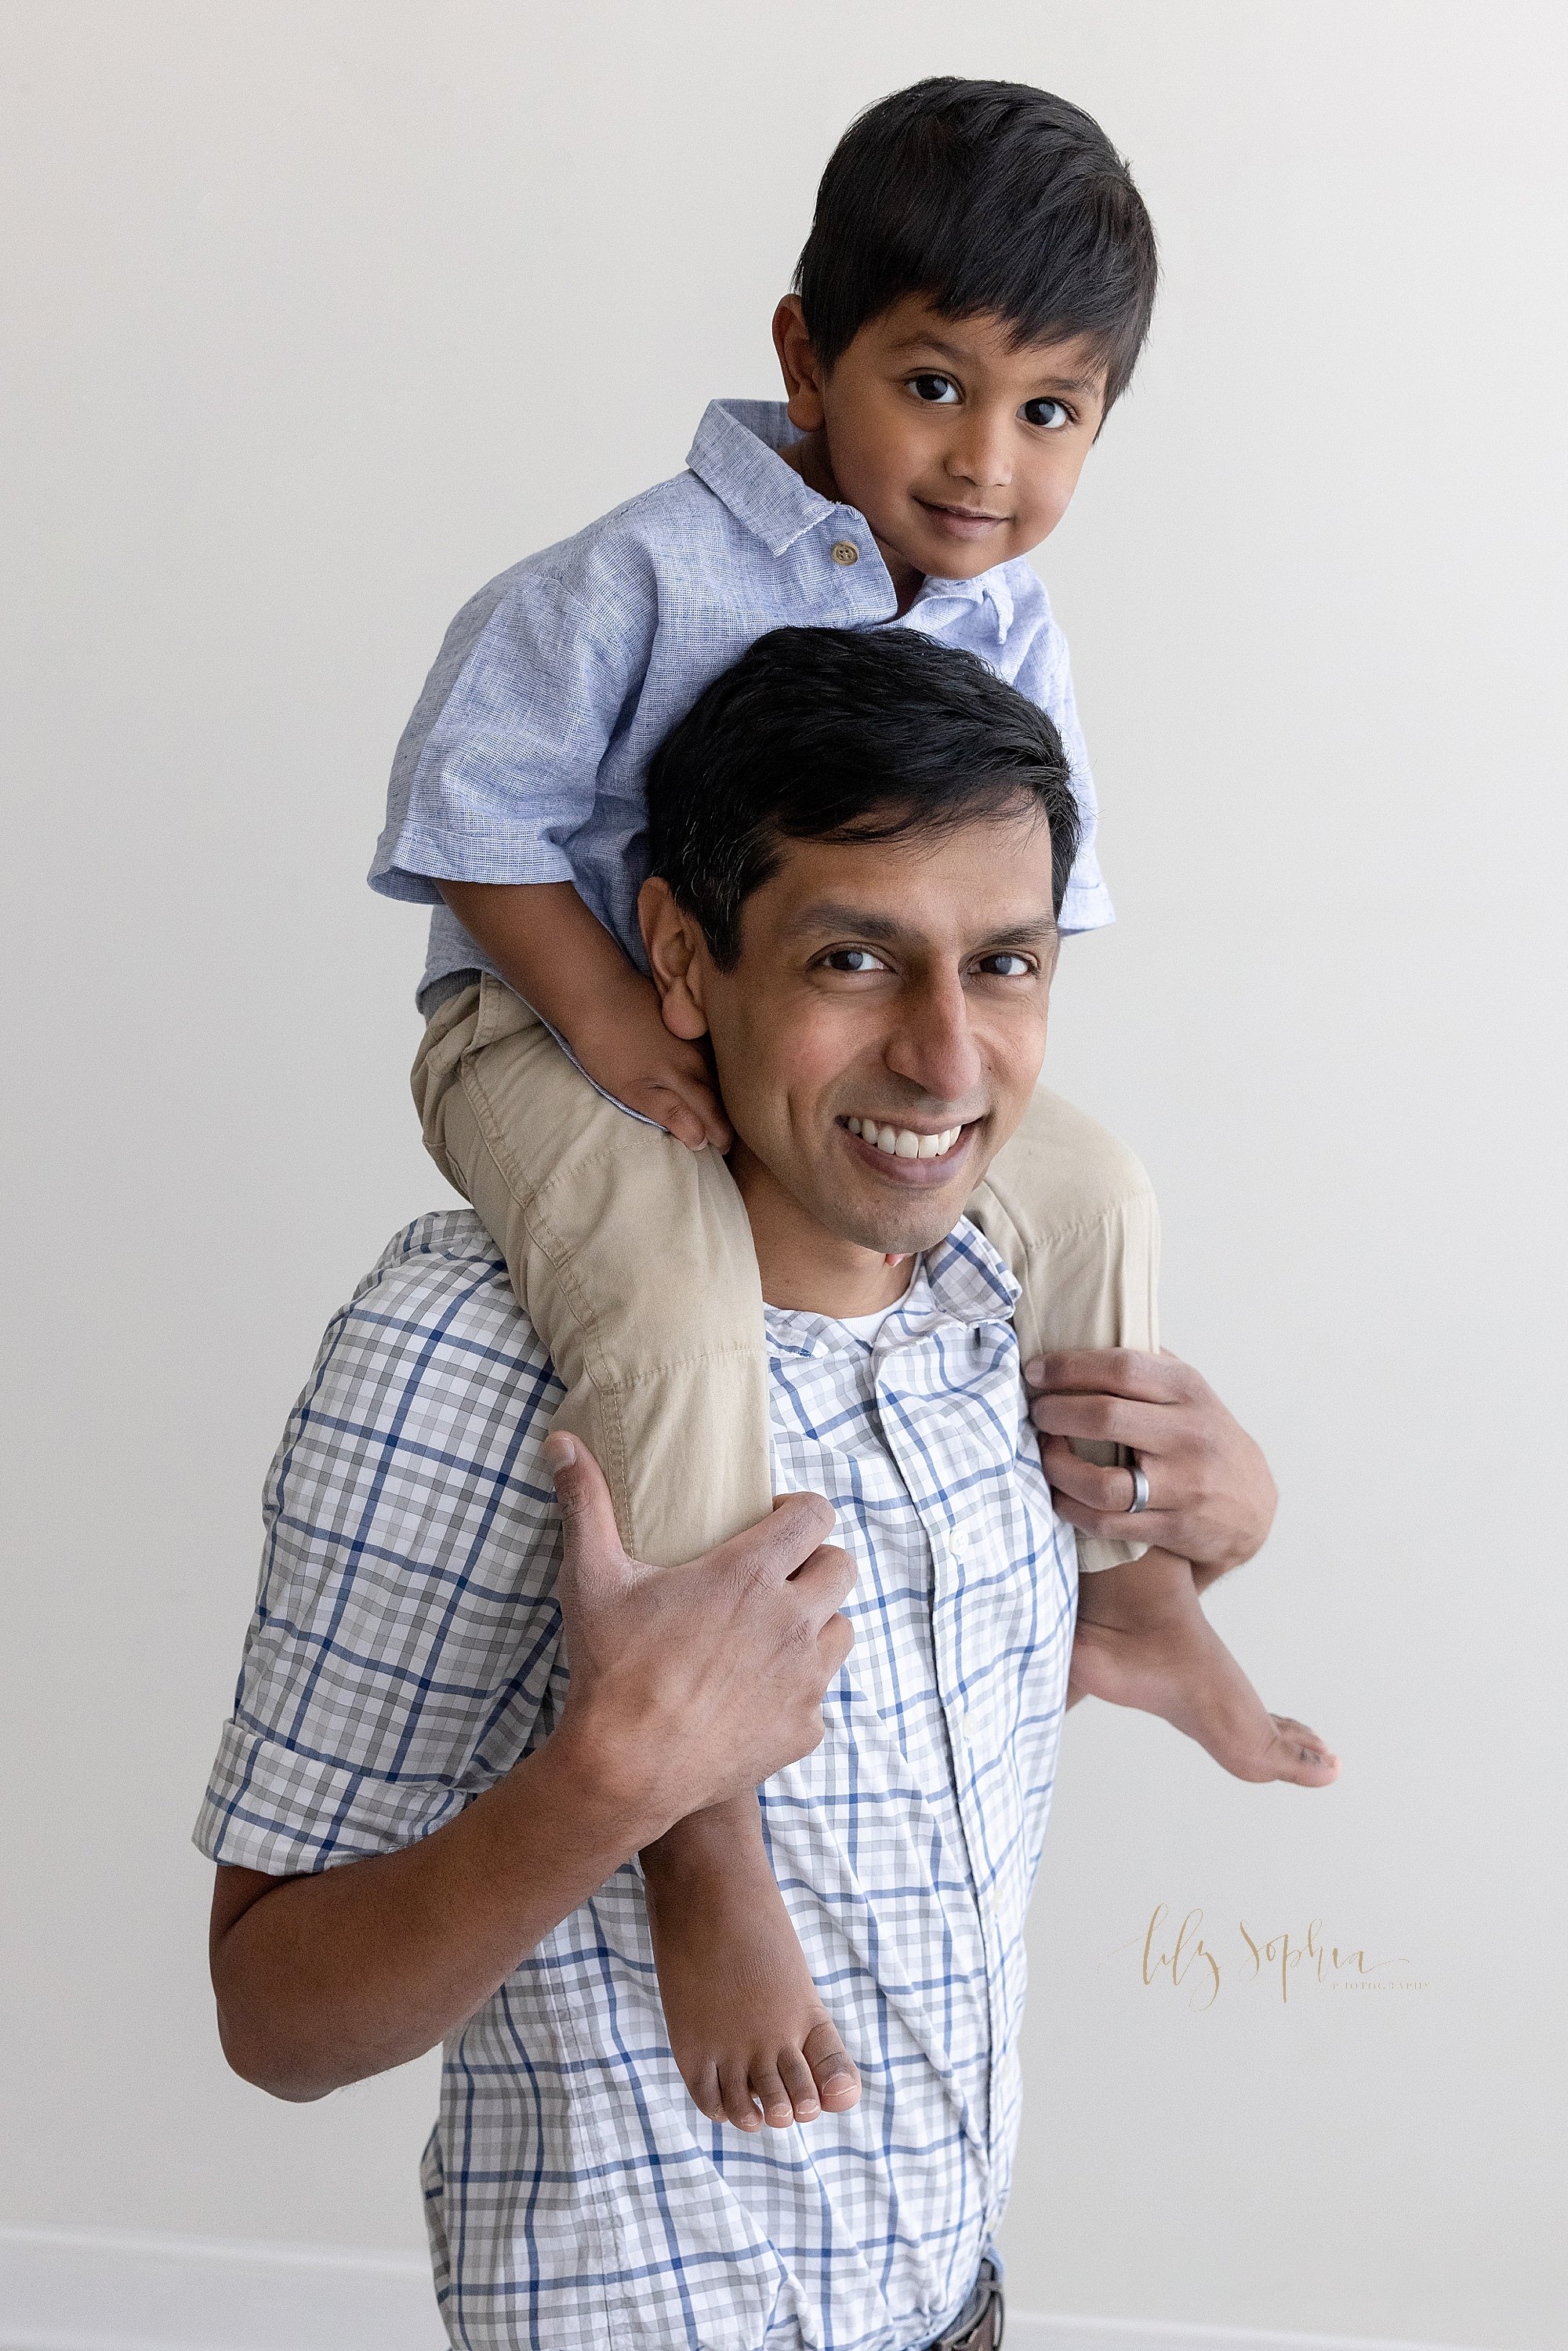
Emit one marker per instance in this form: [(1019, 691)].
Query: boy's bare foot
[(1142, 1640), (747, 2026)]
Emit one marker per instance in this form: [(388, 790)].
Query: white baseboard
[(68, 2290), (78, 2289), (1027, 2331)]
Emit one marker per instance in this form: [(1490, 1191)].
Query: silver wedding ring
[(1140, 1500)]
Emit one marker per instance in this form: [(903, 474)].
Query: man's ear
[(803, 373), (675, 949)]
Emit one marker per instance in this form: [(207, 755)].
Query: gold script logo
[(1200, 1961)]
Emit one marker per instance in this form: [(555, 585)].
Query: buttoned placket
[(946, 1568), (856, 580), (948, 1558), (927, 1478)]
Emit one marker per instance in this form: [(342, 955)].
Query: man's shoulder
[(437, 1308), (444, 1247)]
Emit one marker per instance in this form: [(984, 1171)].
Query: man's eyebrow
[(1022, 934), (835, 916)]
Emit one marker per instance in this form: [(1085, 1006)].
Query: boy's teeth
[(902, 1142)]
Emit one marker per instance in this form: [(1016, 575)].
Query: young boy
[(971, 301)]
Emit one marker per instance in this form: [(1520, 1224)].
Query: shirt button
[(844, 550)]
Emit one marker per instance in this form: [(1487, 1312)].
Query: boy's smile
[(961, 447)]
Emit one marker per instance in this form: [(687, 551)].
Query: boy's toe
[(706, 2095), (832, 2068), (739, 2106), (1299, 1755), (777, 2107), (795, 2076)]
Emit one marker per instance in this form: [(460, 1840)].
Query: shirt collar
[(962, 1279), (991, 588), (737, 452)]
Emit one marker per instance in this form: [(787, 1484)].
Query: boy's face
[(960, 450)]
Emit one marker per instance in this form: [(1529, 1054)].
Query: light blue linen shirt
[(527, 756)]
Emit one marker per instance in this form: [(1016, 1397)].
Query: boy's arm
[(560, 960)]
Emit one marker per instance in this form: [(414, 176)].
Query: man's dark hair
[(984, 197), (843, 735)]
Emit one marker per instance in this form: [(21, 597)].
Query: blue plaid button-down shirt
[(527, 756), (405, 1651)]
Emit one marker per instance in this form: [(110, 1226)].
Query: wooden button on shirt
[(845, 551)]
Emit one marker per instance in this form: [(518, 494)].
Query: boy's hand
[(1211, 1498), (560, 960), (625, 1047)]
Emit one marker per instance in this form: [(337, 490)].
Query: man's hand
[(1211, 1498), (696, 1682), (687, 1684)]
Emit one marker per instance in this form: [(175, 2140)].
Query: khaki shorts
[(633, 1257)]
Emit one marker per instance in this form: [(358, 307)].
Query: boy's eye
[(1049, 413), (1007, 966), (934, 388), (852, 959)]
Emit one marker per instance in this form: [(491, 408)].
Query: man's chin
[(906, 1231)]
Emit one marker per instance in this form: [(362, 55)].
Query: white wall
[(325, 312)]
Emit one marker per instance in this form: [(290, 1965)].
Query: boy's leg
[(633, 1259), (1074, 1213)]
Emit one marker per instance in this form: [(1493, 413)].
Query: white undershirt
[(865, 1327)]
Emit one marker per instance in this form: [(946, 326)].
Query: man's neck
[(805, 1266), (872, 1282)]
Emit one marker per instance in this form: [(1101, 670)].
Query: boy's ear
[(803, 371), (674, 944)]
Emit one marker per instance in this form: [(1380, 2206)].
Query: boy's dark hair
[(841, 735), (983, 196)]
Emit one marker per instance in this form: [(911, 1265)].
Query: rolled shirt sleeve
[(498, 767), (404, 1649)]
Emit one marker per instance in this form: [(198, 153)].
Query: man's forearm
[(325, 1980)]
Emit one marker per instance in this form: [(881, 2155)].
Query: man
[(425, 1831)]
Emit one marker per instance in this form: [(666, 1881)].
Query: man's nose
[(933, 1045)]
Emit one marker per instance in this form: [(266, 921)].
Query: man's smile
[(909, 1154)]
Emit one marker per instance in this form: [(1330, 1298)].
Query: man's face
[(878, 1040), (960, 451)]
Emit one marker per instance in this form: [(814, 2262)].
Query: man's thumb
[(588, 1515)]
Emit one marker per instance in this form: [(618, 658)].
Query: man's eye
[(1007, 966), (852, 959), (1049, 413), (934, 388)]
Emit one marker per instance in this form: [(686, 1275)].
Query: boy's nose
[(980, 454)]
